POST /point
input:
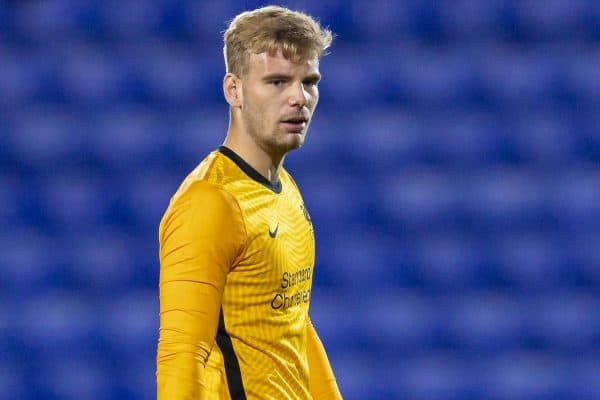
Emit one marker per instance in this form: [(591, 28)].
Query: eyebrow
[(285, 77), (276, 77)]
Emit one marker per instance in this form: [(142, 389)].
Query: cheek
[(315, 98)]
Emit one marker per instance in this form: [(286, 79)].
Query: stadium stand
[(452, 174)]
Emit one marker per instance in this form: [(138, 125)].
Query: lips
[(295, 124), (295, 120)]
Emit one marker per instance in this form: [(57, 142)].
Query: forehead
[(265, 63)]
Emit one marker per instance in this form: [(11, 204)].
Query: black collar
[(251, 172)]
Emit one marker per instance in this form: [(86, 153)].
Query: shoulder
[(202, 193), (205, 195), (203, 207), (206, 183)]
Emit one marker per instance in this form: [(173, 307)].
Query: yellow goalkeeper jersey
[(237, 259)]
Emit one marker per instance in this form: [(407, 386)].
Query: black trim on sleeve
[(232, 366), (248, 170)]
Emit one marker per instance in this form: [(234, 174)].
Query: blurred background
[(452, 173)]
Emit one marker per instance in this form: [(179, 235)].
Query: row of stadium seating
[(128, 140), (402, 322), (418, 199), (416, 345), (367, 21), (161, 73), (449, 260)]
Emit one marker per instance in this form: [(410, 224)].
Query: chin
[(297, 142), (288, 141)]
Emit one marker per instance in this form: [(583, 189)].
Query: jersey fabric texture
[(237, 260)]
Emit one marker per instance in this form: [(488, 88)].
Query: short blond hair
[(269, 29)]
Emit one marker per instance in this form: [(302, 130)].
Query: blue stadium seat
[(483, 322), (43, 137), (55, 323), (433, 78), (175, 74), (5, 20), (345, 83), (360, 375), (133, 384), (326, 207), (363, 259), (70, 201), (10, 191), (530, 260), (206, 19), (12, 382), (584, 377), (468, 20), (102, 260), (588, 129), (19, 76), (565, 321), (510, 76), (382, 20), (42, 21), (557, 19), (403, 327), (584, 253), (148, 198), (520, 375), (448, 259), (573, 201), (396, 136), (131, 324), (127, 138), (75, 377), (349, 148), (460, 138), (582, 78), (135, 19), (339, 334), (90, 76), (501, 196), (196, 132), (24, 260), (417, 196), (437, 375), (544, 138)]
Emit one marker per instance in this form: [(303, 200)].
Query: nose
[(299, 97)]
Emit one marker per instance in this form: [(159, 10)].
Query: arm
[(322, 382), (201, 235)]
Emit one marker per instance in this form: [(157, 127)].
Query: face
[(278, 101)]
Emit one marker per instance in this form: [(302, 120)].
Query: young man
[(236, 242)]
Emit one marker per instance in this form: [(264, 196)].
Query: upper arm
[(201, 236)]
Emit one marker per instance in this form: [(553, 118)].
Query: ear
[(232, 89)]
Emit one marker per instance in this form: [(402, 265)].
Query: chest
[(280, 250)]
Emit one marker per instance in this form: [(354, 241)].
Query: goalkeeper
[(236, 241)]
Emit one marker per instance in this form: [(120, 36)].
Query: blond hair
[(269, 29)]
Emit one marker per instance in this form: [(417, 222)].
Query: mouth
[(295, 124)]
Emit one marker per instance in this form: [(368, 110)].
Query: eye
[(310, 82), (277, 82)]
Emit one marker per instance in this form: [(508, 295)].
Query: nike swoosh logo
[(273, 233)]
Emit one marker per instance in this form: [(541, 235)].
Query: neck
[(268, 165)]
